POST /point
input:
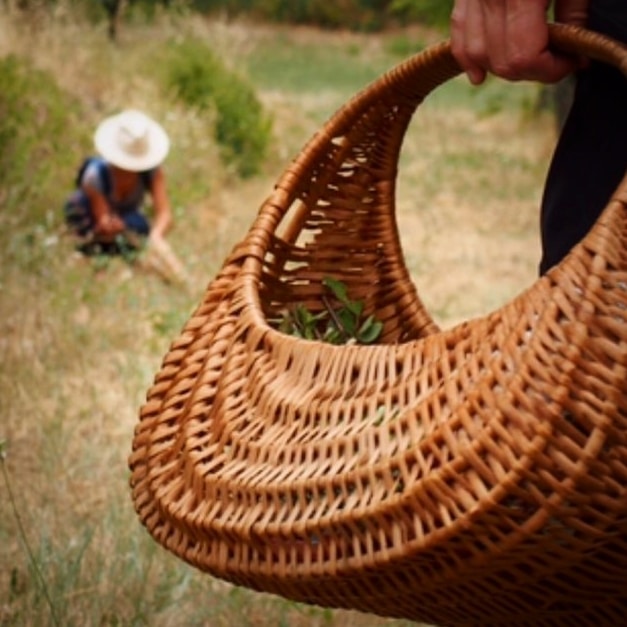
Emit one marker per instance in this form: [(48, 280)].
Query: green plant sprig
[(342, 325)]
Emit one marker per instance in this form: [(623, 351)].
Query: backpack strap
[(105, 176), (103, 173)]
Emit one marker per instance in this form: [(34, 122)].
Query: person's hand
[(510, 38), (109, 226), (156, 240)]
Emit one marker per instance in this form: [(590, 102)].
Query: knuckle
[(516, 67)]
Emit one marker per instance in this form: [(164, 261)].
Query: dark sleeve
[(591, 155), (608, 17)]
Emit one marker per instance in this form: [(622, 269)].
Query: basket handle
[(587, 43), (438, 65), (404, 86), (564, 38)]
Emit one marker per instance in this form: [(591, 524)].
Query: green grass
[(286, 66), (495, 96)]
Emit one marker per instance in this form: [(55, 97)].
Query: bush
[(352, 14), (11, 116), (360, 15), (36, 134), (431, 12), (242, 129)]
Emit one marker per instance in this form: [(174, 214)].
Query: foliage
[(357, 15), (24, 119), (345, 324), (352, 14), (363, 15), (242, 128), (12, 115), (431, 12), (37, 132)]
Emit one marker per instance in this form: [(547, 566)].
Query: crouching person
[(106, 209)]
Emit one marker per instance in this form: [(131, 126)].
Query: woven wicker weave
[(471, 476)]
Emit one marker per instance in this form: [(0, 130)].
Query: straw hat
[(132, 141)]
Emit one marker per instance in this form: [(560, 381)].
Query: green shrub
[(352, 14), (15, 116), (242, 128), (431, 12), (360, 15), (365, 15), (38, 130)]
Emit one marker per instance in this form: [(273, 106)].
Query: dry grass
[(468, 208), (78, 347)]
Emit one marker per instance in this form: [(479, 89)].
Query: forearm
[(99, 207), (162, 223), (107, 223), (163, 219)]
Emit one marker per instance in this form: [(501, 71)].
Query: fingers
[(468, 39), (510, 38), (526, 42)]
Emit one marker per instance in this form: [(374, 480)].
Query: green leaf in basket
[(338, 288), (369, 330), (341, 325), (333, 335), (348, 321)]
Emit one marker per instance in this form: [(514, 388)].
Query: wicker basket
[(471, 476)]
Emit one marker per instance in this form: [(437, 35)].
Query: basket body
[(472, 476)]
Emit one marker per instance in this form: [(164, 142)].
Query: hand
[(510, 38), (156, 239), (109, 226)]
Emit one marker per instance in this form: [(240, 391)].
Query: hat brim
[(104, 141)]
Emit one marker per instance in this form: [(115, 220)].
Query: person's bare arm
[(106, 223), (161, 204), (510, 38)]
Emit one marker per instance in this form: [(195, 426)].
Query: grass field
[(81, 341)]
